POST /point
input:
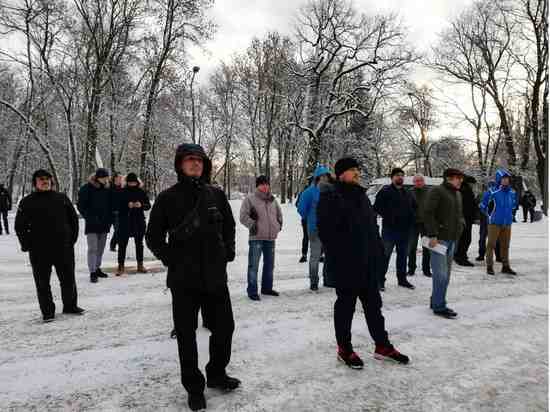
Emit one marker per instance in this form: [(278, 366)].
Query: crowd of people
[(191, 230)]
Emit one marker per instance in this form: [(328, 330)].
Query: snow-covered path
[(119, 356)]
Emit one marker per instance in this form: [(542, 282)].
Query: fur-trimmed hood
[(93, 181)]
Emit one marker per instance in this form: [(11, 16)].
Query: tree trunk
[(91, 134)]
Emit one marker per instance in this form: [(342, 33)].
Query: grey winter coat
[(261, 214)]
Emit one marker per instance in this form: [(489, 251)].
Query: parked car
[(377, 184)]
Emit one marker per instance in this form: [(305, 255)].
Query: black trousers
[(528, 211), (123, 245), (42, 270), (305, 238), (344, 308), (464, 242), (4, 214), (218, 314), (418, 231)]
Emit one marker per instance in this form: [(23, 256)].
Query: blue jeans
[(255, 251), (399, 241), (441, 274)]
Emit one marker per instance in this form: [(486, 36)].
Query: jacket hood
[(500, 174), (187, 149), (320, 171), (93, 181)]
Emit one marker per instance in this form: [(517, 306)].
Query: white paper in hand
[(439, 248)]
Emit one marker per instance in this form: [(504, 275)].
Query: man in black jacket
[(47, 227), (5, 207), (354, 255), (397, 208), (470, 210), (201, 240), (95, 204)]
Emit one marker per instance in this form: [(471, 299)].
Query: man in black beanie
[(398, 210), (198, 221), (47, 227), (354, 254)]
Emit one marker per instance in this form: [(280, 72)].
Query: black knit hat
[(40, 173), (262, 180), (396, 170), (101, 172), (187, 149), (344, 164), (132, 177), (452, 172)]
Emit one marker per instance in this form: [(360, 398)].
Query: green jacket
[(443, 213), (420, 195)]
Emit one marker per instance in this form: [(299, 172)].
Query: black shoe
[(427, 274), (445, 313), (411, 273), (405, 284), (270, 293), (508, 270), (101, 274), (452, 312), (490, 270), (74, 311), (173, 334), (93, 278), (480, 258), (350, 358), (303, 259), (225, 383), (254, 297), (196, 401), (464, 262), (314, 288), (48, 318)]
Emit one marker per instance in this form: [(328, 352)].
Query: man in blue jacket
[(307, 207), (499, 204)]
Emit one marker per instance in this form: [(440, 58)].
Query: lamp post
[(195, 71)]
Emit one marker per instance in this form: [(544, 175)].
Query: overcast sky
[(240, 20)]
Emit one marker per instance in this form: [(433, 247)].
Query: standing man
[(116, 189), (469, 208), (419, 193), (444, 225), (47, 227), (307, 207), (96, 207), (500, 220), (528, 203), (131, 206), (355, 254), (200, 227), (5, 207), (484, 225), (261, 214), (397, 208), (305, 236)]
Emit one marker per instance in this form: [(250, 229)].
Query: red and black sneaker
[(390, 353), (350, 358)]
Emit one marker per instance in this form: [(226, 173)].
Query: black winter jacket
[(5, 200), (196, 259), (46, 222), (397, 208), (131, 221), (469, 205), (95, 204), (348, 230)]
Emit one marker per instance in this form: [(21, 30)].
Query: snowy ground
[(119, 356)]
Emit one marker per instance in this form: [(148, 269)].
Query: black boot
[(508, 270), (405, 284), (100, 274), (225, 383), (74, 311), (490, 270), (93, 277), (303, 259), (196, 401)]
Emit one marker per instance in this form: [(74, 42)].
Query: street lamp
[(195, 71)]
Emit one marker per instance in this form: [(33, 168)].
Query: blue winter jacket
[(499, 202), (307, 205)]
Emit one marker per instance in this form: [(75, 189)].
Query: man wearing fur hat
[(47, 227), (198, 221), (96, 207)]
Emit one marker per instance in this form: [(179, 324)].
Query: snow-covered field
[(119, 356)]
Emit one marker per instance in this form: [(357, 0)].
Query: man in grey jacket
[(261, 214)]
